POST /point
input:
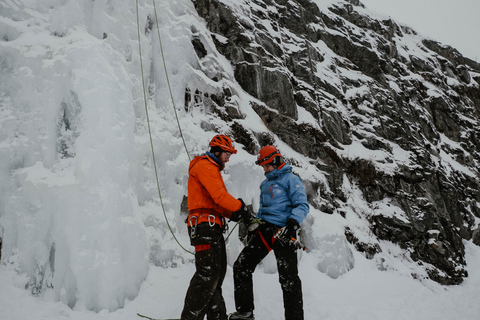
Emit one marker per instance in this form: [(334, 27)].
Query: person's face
[(268, 168), (225, 156)]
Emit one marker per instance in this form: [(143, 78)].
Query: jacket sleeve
[(211, 178), (298, 197)]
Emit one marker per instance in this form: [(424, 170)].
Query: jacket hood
[(278, 172), (210, 157), (214, 158)]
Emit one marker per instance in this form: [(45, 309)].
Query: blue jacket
[(282, 196)]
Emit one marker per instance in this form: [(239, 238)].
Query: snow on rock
[(82, 223)]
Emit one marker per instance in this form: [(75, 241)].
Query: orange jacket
[(206, 190)]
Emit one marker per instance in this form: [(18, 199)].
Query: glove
[(242, 213), (290, 231)]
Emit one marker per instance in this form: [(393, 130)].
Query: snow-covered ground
[(363, 293), (81, 220)]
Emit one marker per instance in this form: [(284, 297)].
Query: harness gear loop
[(206, 215)]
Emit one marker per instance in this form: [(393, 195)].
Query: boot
[(241, 316)]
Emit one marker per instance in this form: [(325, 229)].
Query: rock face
[(364, 82)]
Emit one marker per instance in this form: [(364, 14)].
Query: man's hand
[(242, 213)]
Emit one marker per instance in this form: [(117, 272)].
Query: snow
[(81, 219), (364, 292)]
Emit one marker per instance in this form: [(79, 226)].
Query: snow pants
[(204, 295), (257, 248)]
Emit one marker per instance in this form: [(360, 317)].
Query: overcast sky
[(452, 22)]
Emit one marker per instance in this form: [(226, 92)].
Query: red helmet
[(224, 142), (266, 155)]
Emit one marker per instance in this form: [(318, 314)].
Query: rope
[(150, 133), (176, 116), (236, 224), (168, 81)]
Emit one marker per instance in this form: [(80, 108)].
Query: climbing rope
[(176, 116), (168, 81), (150, 133)]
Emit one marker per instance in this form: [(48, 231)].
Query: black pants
[(204, 295), (253, 253)]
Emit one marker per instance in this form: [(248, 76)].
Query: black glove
[(290, 231), (242, 213)]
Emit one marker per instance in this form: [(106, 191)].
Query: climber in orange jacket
[(209, 204)]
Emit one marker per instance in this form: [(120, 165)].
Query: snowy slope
[(363, 293), (83, 227)]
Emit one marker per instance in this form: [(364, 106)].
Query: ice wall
[(80, 211), (69, 218)]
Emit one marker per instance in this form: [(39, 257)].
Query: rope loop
[(148, 119), (150, 132)]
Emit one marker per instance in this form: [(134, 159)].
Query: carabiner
[(211, 224), (193, 228), (224, 225)]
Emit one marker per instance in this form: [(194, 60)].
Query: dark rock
[(199, 48), (350, 73)]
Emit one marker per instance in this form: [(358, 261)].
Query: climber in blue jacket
[(283, 206)]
